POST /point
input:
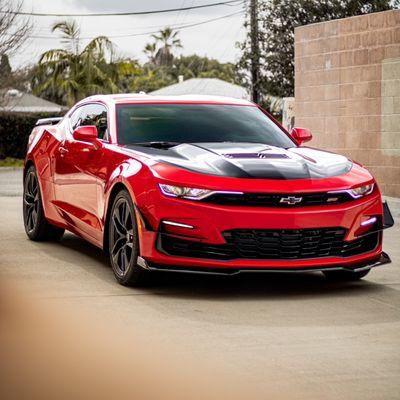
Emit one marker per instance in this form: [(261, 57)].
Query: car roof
[(135, 98)]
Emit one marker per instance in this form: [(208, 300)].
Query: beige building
[(347, 90)]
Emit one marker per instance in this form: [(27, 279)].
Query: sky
[(215, 39)]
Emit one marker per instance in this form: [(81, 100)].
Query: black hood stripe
[(273, 162)]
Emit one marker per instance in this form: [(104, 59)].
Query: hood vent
[(255, 155)]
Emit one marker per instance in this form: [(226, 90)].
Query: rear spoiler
[(48, 121)]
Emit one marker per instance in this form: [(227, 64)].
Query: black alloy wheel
[(123, 241), (31, 201), (36, 225)]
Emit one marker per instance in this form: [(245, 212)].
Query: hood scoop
[(255, 155)]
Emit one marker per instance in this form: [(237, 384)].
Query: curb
[(2, 169)]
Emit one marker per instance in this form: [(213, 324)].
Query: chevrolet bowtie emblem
[(291, 200)]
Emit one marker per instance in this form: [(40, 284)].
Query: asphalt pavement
[(298, 331)]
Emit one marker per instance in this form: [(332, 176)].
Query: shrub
[(14, 132), (11, 162)]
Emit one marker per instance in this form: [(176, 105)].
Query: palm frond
[(68, 28), (99, 47), (53, 55), (70, 34)]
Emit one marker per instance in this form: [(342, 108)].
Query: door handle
[(62, 150)]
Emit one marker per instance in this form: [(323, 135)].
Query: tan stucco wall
[(347, 90)]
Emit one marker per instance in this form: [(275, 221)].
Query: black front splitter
[(382, 260)]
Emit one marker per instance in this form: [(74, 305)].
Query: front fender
[(136, 177)]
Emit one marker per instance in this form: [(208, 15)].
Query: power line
[(180, 27), (43, 30), (177, 17), (36, 14)]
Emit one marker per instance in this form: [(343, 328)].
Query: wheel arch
[(29, 163), (132, 177), (118, 186)]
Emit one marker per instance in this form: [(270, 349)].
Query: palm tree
[(150, 50), (71, 72), (169, 41)]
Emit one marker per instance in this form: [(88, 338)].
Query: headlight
[(361, 191), (184, 192)]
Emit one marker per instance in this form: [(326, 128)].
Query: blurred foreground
[(54, 352), (69, 331)]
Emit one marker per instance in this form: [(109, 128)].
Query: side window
[(74, 118), (92, 114)]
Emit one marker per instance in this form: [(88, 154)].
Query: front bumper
[(210, 221)]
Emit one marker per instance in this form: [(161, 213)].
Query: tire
[(345, 275), (123, 242), (36, 225)]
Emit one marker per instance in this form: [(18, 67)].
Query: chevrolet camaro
[(199, 184)]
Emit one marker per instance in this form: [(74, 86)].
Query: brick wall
[(347, 90)]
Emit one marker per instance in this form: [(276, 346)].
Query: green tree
[(5, 71), (194, 66), (277, 20), (152, 77), (124, 71), (149, 79), (168, 41), (13, 79), (70, 73)]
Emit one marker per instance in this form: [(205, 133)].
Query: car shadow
[(271, 285), (81, 247)]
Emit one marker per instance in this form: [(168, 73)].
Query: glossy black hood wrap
[(250, 160)]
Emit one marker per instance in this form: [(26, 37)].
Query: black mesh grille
[(273, 245), (275, 200)]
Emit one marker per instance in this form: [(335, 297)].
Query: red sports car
[(199, 184)]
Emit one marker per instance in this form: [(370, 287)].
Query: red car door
[(77, 166)]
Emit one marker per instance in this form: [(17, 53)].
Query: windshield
[(196, 123)]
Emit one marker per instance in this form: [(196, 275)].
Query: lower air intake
[(284, 244)]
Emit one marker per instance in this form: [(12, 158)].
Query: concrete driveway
[(325, 340)]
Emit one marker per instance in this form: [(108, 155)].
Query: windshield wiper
[(157, 144)]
